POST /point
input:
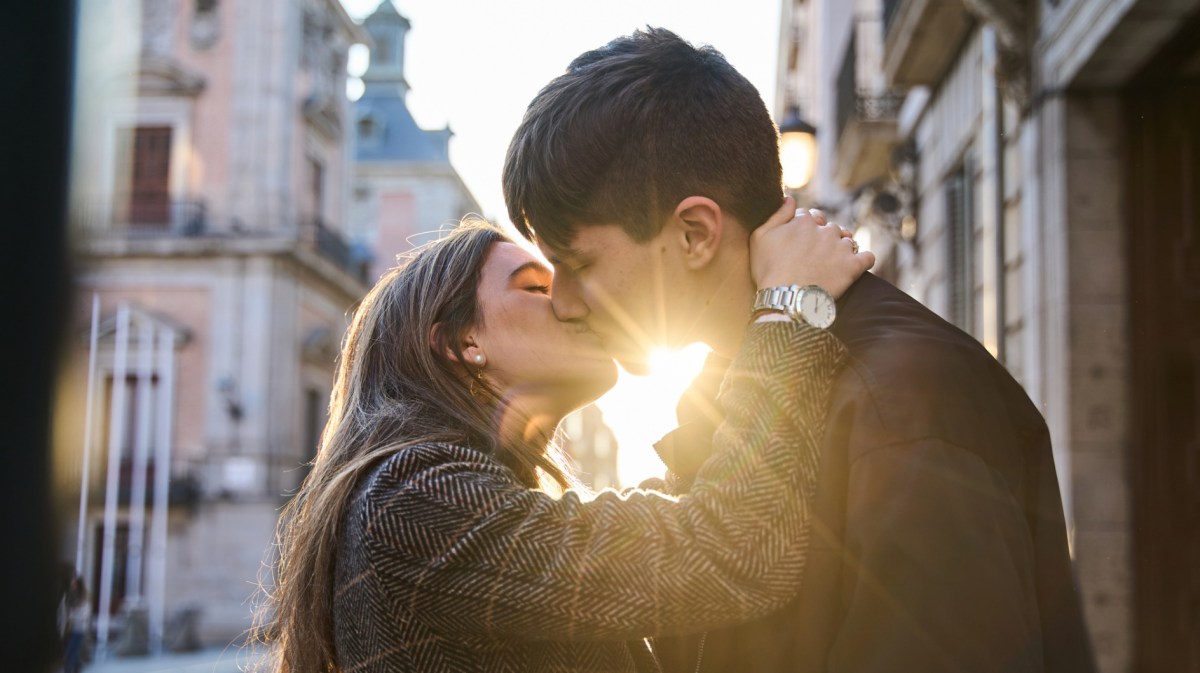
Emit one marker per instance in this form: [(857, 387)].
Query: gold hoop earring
[(479, 389)]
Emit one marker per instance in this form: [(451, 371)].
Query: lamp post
[(797, 149)]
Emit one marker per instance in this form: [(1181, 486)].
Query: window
[(960, 246), (138, 416), (119, 569), (144, 156), (383, 49), (316, 186), (133, 413), (366, 127)]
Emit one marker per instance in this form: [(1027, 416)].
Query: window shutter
[(149, 195)]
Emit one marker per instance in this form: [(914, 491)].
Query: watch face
[(817, 308)]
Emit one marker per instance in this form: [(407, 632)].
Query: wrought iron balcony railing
[(330, 244), (856, 102), (149, 216), (865, 108), (149, 219)]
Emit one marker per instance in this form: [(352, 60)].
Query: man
[(938, 541)]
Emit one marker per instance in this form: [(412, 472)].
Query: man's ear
[(700, 227)]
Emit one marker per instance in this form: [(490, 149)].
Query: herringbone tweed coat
[(447, 562)]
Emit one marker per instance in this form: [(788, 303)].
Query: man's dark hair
[(633, 128)]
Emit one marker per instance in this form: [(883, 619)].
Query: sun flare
[(641, 409)]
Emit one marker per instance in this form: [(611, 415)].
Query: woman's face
[(528, 350)]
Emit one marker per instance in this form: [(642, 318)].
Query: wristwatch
[(809, 304)]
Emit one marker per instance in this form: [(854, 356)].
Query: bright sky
[(476, 64)]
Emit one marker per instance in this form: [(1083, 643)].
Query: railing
[(150, 216), (189, 218), (330, 244), (847, 84), (856, 102)]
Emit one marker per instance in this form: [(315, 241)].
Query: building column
[(1077, 346), (1098, 369)]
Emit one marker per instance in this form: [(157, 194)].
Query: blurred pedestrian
[(76, 620)]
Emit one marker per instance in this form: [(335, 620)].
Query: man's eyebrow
[(531, 264), (563, 255)]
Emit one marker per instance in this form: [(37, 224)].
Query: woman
[(437, 532)]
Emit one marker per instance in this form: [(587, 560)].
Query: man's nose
[(566, 300)]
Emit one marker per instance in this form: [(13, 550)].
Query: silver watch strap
[(779, 298)]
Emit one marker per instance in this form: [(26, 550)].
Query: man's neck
[(722, 317)]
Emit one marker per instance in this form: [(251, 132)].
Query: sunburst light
[(641, 409)]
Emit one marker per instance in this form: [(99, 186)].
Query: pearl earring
[(480, 359)]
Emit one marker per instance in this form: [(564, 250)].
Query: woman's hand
[(801, 248)]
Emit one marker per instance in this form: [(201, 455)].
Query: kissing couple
[(866, 490)]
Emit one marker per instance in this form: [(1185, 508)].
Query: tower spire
[(385, 69)]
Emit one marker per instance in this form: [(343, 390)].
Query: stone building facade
[(1029, 170), (210, 198)]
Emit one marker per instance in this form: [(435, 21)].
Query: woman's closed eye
[(532, 276)]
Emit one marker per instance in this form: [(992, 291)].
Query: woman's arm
[(467, 549)]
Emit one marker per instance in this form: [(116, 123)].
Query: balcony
[(149, 217), (866, 110), (159, 227), (318, 235), (922, 37)]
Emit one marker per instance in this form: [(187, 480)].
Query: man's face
[(619, 288)]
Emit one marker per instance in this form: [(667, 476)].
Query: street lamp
[(797, 149)]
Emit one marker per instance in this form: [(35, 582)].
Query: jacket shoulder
[(913, 376), (429, 460)]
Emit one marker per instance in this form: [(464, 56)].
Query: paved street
[(227, 660)]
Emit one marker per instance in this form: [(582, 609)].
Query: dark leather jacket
[(938, 541)]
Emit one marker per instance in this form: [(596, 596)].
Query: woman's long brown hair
[(394, 388)]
